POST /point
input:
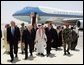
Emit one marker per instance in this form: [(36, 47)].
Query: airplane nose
[(17, 13), (13, 14)]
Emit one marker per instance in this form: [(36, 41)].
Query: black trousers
[(48, 48), (33, 46), (13, 49), (74, 44), (30, 49)]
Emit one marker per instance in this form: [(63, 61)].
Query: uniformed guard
[(66, 38)]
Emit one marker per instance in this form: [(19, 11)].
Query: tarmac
[(57, 57)]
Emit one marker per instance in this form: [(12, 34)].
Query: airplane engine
[(80, 24)]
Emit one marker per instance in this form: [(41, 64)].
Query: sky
[(10, 7)]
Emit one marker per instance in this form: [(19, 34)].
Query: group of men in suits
[(28, 38), (14, 36)]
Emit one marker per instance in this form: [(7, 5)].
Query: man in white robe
[(6, 44), (40, 40)]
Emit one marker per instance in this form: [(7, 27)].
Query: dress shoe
[(39, 54), (72, 49), (64, 53), (11, 60), (42, 54), (47, 55), (31, 54), (68, 52), (22, 52), (16, 56), (26, 58)]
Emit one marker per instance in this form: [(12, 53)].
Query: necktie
[(12, 31)]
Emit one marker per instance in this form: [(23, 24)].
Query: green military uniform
[(67, 39)]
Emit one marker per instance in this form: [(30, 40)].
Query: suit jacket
[(55, 42), (54, 35), (34, 33), (15, 37), (49, 34), (1, 34), (60, 38), (28, 37)]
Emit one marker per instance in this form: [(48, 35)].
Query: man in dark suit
[(75, 38), (1, 34), (34, 35), (55, 38), (48, 32), (13, 37), (59, 35), (27, 38)]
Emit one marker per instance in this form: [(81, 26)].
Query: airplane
[(47, 13)]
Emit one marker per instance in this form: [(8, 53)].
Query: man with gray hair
[(13, 37)]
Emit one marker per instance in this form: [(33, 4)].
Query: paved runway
[(56, 57)]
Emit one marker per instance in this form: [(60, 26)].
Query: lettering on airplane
[(67, 13)]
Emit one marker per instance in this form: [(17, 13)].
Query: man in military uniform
[(66, 38)]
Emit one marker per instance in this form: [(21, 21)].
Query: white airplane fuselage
[(45, 14)]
